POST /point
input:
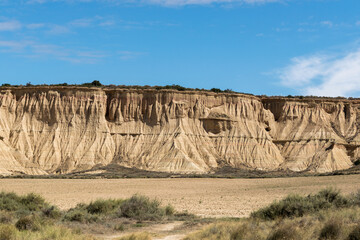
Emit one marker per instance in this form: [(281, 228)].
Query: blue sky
[(273, 47)]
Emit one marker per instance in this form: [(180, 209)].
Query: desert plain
[(206, 197)]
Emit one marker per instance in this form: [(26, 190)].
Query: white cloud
[(71, 1), (10, 26), (35, 25), (327, 23), (31, 49), (302, 70), (49, 49), (58, 29), (37, 1), (91, 54), (107, 23), (165, 2), (204, 2), (84, 22), (95, 21), (127, 55), (12, 46), (323, 75)]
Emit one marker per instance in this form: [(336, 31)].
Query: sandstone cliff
[(63, 129)]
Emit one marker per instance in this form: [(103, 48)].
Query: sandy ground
[(205, 197)]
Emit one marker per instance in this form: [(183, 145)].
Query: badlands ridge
[(53, 130)]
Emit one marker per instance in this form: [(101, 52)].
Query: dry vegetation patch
[(327, 214), (203, 197), (31, 217), (324, 215)]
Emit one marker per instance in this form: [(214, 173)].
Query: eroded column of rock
[(47, 131), (190, 132), (314, 135), (64, 129)]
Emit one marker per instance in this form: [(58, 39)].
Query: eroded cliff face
[(65, 129)]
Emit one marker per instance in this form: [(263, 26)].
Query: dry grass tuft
[(137, 236)]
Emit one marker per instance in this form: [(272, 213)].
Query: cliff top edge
[(141, 89)]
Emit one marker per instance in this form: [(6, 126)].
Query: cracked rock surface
[(47, 130)]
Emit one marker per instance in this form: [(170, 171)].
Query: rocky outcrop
[(63, 129)]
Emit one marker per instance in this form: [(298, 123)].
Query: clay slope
[(47, 130)]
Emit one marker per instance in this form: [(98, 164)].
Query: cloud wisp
[(39, 50), (36, 50), (324, 75), (32, 49), (92, 22), (35, 25), (204, 2), (128, 55), (10, 26), (56, 29), (165, 3)]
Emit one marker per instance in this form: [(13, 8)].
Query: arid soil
[(204, 197)]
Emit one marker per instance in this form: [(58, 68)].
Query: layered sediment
[(49, 130)]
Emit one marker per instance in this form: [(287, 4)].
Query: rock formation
[(47, 130)]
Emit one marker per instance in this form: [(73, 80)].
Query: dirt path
[(172, 237), (204, 197), (166, 231)]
